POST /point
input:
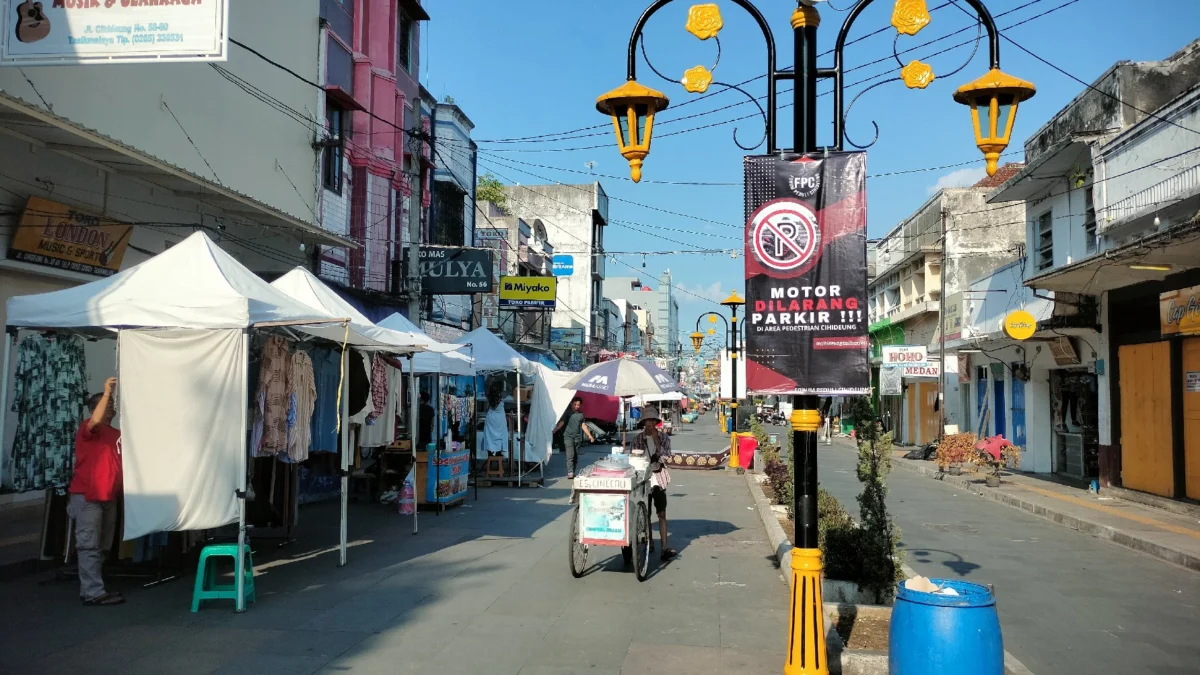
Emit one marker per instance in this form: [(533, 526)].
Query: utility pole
[(942, 334), (416, 186)]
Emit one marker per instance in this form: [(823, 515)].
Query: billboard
[(455, 271), (899, 355), (60, 236), (539, 292), (806, 274), (562, 265), (77, 32)]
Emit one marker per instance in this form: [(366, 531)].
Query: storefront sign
[(895, 355), (1179, 311), (1191, 382), (528, 292), (1020, 325), (806, 281), (890, 382), (566, 338), (495, 238), (953, 317), (602, 518), (75, 32), (921, 370), (60, 236), (455, 271), (448, 481), (562, 265)]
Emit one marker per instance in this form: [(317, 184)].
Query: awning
[(1041, 175), (50, 132), (1155, 257)]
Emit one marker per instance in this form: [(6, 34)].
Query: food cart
[(611, 499)]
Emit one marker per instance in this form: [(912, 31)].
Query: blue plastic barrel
[(934, 634)]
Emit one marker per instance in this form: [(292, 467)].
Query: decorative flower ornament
[(917, 75), (696, 80), (704, 21), (910, 16)]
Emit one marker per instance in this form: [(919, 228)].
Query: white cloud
[(961, 178), (713, 292)]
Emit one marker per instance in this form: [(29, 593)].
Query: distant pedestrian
[(95, 489), (657, 447), (575, 429)]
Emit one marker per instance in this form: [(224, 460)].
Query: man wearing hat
[(656, 445)]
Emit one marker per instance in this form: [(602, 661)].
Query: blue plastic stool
[(207, 588)]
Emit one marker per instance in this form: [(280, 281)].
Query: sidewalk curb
[(783, 554), (1098, 530)]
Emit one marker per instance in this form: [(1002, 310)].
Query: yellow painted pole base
[(806, 653), (734, 462)]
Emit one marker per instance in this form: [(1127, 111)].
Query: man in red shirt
[(95, 489)]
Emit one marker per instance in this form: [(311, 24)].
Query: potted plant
[(953, 451), (996, 453)]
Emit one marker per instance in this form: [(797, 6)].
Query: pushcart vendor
[(655, 445)]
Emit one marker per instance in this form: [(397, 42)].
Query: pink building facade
[(372, 61)]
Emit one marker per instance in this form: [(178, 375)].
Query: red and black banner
[(806, 274)]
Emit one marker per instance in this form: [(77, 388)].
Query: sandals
[(106, 600), (668, 554)]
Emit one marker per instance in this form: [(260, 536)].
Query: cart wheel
[(641, 543), (627, 554), (576, 550)]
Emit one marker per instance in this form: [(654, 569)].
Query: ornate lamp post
[(733, 302), (993, 101)]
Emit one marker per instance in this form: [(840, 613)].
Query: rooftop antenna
[(591, 166)]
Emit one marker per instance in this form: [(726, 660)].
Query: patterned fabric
[(379, 387), (642, 445), (303, 398), (49, 397), (273, 386)]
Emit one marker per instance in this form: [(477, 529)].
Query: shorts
[(658, 498)]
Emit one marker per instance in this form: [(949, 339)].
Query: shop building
[(123, 178), (1112, 193), (905, 297)]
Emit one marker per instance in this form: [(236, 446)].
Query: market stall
[(183, 322)]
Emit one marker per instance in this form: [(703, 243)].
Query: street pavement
[(1068, 602), (484, 588)]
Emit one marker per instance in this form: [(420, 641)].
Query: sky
[(533, 68)]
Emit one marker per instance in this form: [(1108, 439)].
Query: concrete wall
[(126, 103)]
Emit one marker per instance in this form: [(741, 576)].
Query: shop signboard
[(562, 265), (449, 481), (890, 381), (899, 355), (455, 271), (953, 317), (77, 32), (920, 370), (60, 236), (602, 517), (806, 274), (1020, 325), (526, 292), (1179, 311), (566, 338), (1191, 382)]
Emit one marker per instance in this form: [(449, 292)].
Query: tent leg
[(412, 434), (240, 564), (9, 339), (520, 438), (345, 451)]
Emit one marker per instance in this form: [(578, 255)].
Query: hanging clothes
[(273, 387), (359, 378), (383, 431), (379, 387), (302, 401), (327, 373), (49, 397)]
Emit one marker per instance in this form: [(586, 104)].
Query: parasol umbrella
[(623, 378)]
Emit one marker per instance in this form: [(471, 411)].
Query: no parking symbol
[(785, 234)]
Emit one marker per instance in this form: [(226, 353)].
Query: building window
[(1089, 224), (335, 146), (449, 214), (404, 41), (1045, 241)]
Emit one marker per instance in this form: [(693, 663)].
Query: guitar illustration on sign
[(32, 24)]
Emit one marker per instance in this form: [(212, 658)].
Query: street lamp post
[(992, 100), (731, 343)]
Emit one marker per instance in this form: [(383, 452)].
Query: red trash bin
[(747, 451)]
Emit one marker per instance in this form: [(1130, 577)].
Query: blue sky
[(524, 68)]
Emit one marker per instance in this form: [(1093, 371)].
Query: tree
[(490, 189), (879, 536)]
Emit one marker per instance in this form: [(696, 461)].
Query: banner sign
[(566, 337), (562, 265), (602, 518), (76, 32), (1179, 311), (806, 274), (952, 321), (890, 382), (917, 370), (528, 292), (964, 368), (60, 236), (455, 271), (898, 355)]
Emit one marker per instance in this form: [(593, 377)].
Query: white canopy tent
[(445, 363), (643, 399), (198, 287), (550, 401)]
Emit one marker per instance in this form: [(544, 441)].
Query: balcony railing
[(1182, 184)]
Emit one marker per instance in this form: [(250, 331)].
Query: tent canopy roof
[(492, 353), (194, 284), (448, 363)]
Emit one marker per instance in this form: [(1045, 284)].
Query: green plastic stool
[(207, 588)]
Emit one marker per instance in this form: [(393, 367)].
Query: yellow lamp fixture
[(993, 100), (697, 340), (733, 301), (632, 107)]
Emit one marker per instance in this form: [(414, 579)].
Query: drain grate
[(946, 527)]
